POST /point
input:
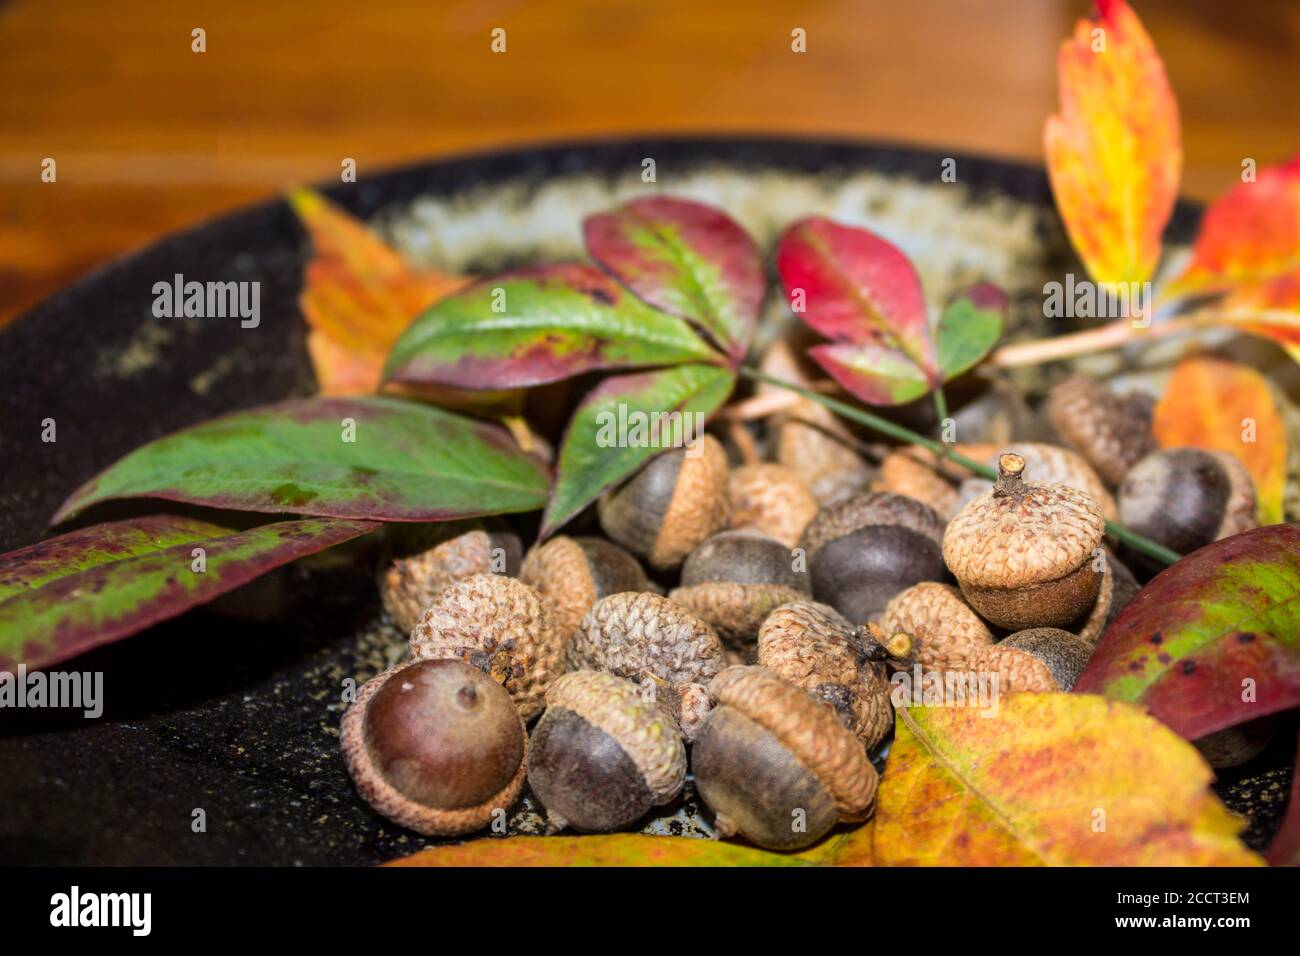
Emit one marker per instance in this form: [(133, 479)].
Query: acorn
[(1022, 552), (688, 704), (815, 648), (771, 499), (1113, 432), (672, 504), (1184, 498), (602, 756), (735, 579), (424, 559), (864, 551), (946, 633), (1038, 660), (1050, 465), (575, 573), (776, 765), (1234, 746), (1117, 588), (435, 746), (501, 626), (634, 635)]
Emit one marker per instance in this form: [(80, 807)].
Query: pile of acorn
[(802, 582)]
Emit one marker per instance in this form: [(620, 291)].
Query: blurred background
[(149, 136)]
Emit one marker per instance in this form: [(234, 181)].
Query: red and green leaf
[(536, 325), (405, 462), (688, 259), (859, 290), (596, 453), (96, 585), (1114, 151), (1223, 619)]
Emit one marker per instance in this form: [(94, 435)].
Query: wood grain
[(150, 136)]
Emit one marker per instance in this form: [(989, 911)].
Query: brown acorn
[(602, 755), (1050, 465), (425, 558), (1118, 587), (1023, 552), (1234, 746), (435, 746), (1039, 660), (672, 504), (776, 765), (575, 573), (814, 647), (1184, 498), (1113, 432), (771, 499), (864, 551), (735, 579), (946, 633), (501, 626), (634, 635)]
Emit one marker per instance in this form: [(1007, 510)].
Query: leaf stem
[(893, 430)]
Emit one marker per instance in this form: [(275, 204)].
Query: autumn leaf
[(1114, 151), (1048, 780), (614, 849), (1190, 641), (859, 290), (359, 294), (1219, 405)]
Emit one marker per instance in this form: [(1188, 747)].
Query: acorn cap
[(735, 611), (645, 731), (1022, 533), (672, 504), (946, 633), (1037, 660), (917, 472), (771, 499), (1113, 432), (808, 729), (631, 634), (871, 508), (574, 573), (435, 746), (813, 647), (687, 704), (1050, 465), (501, 626), (425, 558)]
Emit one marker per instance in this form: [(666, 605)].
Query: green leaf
[(686, 258), (969, 328), (597, 452), (89, 587), (406, 462), (1183, 647), (536, 325)]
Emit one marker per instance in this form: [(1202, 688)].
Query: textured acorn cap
[(1113, 432), (772, 499), (634, 634), (946, 633), (672, 504), (813, 647), (687, 704), (735, 611), (808, 729), (641, 727), (871, 508), (501, 626), (917, 472), (1039, 660), (574, 573), (426, 558), (1050, 465), (371, 772)]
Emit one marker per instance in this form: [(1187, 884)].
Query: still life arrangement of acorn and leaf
[(636, 553)]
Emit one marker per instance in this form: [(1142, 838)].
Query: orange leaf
[(1114, 152), (1218, 405), (1049, 779), (612, 849), (358, 296)]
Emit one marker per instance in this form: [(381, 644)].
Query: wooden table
[(149, 136)]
